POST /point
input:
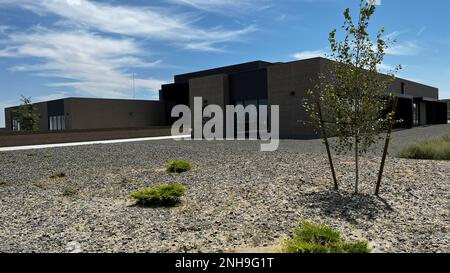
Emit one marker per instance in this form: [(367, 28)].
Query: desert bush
[(58, 175), (164, 195), (434, 149), (3, 182), (178, 166), (313, 238), (40, 184), (70, 192)]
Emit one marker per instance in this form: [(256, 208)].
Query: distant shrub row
[(435, 149)]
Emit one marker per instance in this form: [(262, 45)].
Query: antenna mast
[(134, 87)]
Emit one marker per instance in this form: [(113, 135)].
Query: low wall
[(8, 139)]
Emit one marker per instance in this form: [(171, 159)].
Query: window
[(57, 123), (247, 124), (415, 115), (15, 125), (251, 102)]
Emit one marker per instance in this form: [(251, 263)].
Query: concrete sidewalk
[(45, 146)]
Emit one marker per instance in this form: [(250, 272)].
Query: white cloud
[(54, 96), (407, 48), (225, 6), (404, 48), (3, 29), (421, 31), (3, 105), (87, 63), (384, 67), (374, 2), (309, 54), (94, 64), (387, 68), (145, 22)]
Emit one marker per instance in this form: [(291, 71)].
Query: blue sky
[(59, 48)]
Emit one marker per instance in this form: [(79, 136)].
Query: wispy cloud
[(403, 48), (93, 45), (87, 63), (388, 68), (383, 68), (374, 2), (3, 105), (3, 29), (408, 48), (143, 21), (309, 54), (226, 6), (421, 31), (54, 96)]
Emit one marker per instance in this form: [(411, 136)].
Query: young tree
[(27, 115), (353, 96)]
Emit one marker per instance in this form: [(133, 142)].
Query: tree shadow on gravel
[(347, 206)]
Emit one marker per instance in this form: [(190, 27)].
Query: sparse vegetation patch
[(164, 195), (68, 192), (313, 238), (434, 149), (58, 175), (178, 166)]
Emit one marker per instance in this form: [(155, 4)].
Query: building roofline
[(399, 78), (328, 60), (81, 98), (225, 67), (117, 99)]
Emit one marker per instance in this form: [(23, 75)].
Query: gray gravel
[(237, 197)]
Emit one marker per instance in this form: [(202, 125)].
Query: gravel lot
[(238, 197)]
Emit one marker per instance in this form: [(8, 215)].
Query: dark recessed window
[(15, 125), (57, 123), (403, 88)]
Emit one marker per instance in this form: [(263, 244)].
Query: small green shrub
[(435, 149), (164, 195), (178, 166), (39, 184), (126, 182), (312, 238), (69, 192), (358, 247), (3, 182), (58, 175)]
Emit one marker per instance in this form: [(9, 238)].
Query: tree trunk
[(356, 165)]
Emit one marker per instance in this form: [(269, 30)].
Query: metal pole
[(385, 151), (325, 138), (134, 87)]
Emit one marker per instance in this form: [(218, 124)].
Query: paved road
[(399, 140)]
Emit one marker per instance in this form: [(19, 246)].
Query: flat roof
[(230, 69), (80, 98)]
